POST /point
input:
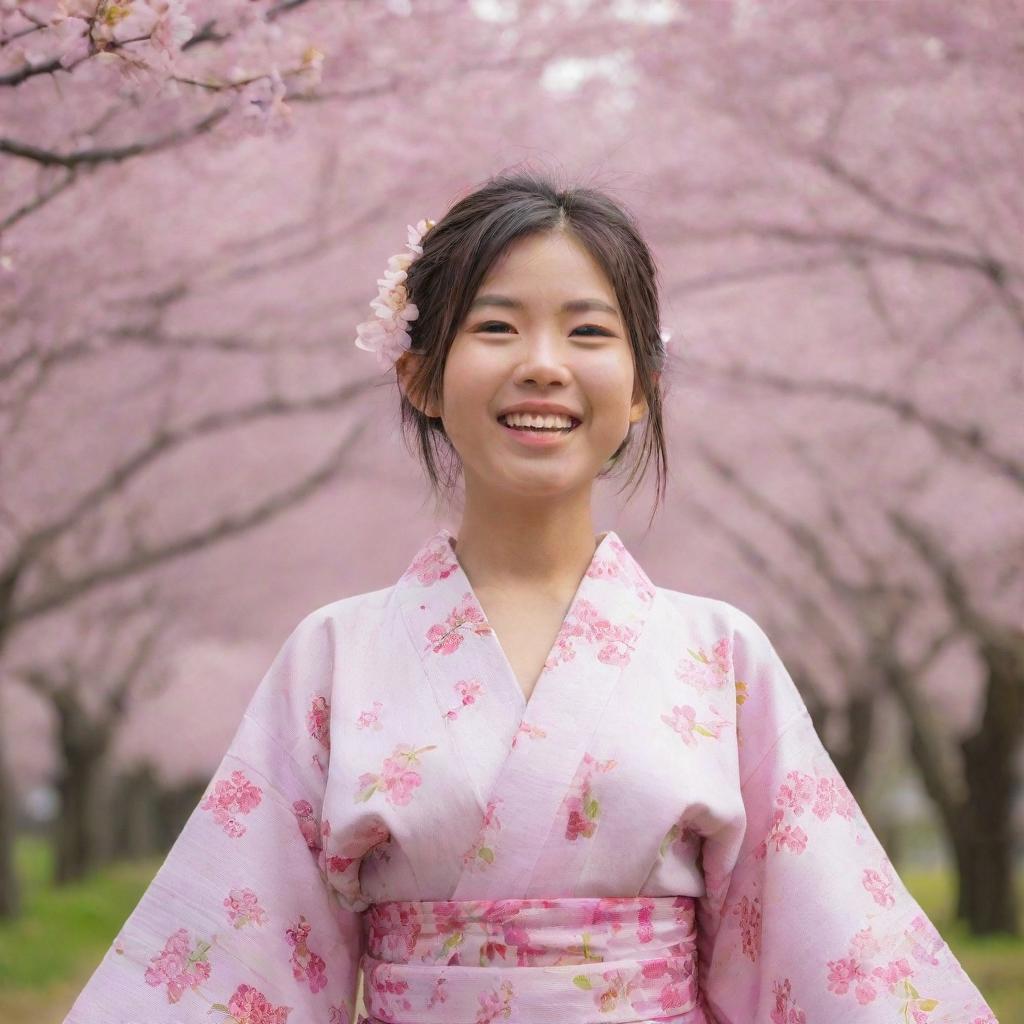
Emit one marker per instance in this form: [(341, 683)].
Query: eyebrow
[(572, 306)]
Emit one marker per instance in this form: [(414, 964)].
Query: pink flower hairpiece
[(387, 333)]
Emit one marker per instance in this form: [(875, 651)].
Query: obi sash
[(567, 960)]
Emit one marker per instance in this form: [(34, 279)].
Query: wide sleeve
[(240, 924), (804, 919)]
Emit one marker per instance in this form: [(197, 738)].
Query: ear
[(639, 409), (406, 366)]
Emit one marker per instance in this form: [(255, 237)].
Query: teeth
[(524, 419)]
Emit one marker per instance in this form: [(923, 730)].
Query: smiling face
[(545, 326)]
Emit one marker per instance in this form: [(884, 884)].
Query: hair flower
[(387, 334)]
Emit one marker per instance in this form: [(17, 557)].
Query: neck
[(503, 549)]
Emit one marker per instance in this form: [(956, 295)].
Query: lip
[(542, 409)]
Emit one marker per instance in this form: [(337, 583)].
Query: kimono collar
[(436, 571)]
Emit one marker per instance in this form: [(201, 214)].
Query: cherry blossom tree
[(832, 193)]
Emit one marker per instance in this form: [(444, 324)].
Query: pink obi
[(569, 960)]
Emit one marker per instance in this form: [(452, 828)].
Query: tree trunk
[(10, 892), (860, 725), (134, 827), (75, 837), (988, 901)]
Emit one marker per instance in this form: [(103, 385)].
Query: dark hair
[(458, 252)]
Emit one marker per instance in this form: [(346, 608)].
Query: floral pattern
[(707, 671), (248, 1005), (683, 720), (530, 731), (585, 624), (467, 692), (656, 830), (181, 965), (318, 721), (482, 853), (371, 719), (307, 966), (244, 908), (786, 1011), (824, 796), (580, 805), (397, 779), (230, 797)]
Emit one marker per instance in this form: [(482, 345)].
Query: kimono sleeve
[(804, 919), (240, 922)]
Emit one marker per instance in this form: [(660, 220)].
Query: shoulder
[(332, 622), (715, 614)]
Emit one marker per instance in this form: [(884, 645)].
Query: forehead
[(551, 269)]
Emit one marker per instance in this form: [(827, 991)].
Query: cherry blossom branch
[(110, 154), (969, 441), (61, 591)]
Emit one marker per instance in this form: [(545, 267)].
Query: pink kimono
[(656, 835)]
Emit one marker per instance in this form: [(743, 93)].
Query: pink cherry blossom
[(181, 965)]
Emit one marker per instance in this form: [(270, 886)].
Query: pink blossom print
[(786, 1011), (365, 839), (659, 987), (439, 994), (585, 623), (782, 836), (181, 965), (308, 825), (435, 562), (824, 797), (707, 670), (388, 992), (880, 884), (371, 719), (877, 966), (495, 1003), (467, 691), (339, 1015), (233, 796), (749, 912), (683, 720), (249, 1005), (394, 929), (533, 732), (685, 839), (244, 908), (318, 721), (307, 966), (482, 852), (466, 618), (622, 568), (397, 779), (580, 806), (633, 954)]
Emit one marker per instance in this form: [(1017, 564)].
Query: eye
[(487, 328)]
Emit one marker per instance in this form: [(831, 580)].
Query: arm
[(240, 922), (805, 919)]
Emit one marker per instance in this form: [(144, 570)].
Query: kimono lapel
[(520, 756)]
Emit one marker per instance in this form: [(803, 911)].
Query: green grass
[(995, 965), (62, 930), (49, 953)]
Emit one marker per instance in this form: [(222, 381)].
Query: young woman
[(526, 783)]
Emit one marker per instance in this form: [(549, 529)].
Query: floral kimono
[(657, 834)]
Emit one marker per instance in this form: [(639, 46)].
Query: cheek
[(467, 387), (609, 389)]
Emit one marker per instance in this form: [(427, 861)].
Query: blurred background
[(196, 200)]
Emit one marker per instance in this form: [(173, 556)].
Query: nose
[(543, 361)]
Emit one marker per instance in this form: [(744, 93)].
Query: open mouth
[(519, 428)]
